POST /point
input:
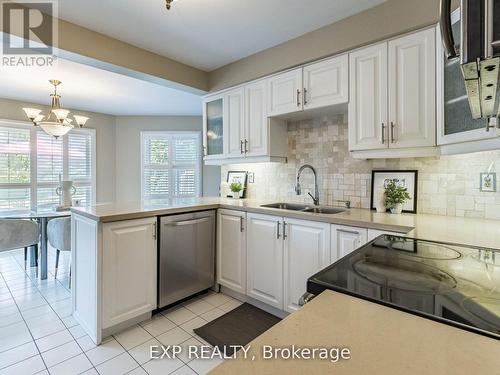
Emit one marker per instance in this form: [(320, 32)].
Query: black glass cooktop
[(455, 284)]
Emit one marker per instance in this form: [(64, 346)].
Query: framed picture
[(407, 179), (238, 177)]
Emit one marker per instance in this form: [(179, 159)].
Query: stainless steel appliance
[(479, 52), (450, 283), (186, 255)]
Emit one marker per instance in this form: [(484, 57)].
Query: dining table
[(42, 216)]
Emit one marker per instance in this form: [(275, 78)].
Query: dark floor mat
[(237, 327)]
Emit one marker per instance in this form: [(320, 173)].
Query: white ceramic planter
[(397, 209)]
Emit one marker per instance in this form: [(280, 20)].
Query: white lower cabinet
[(231, 250), (129, 262), (306, 251), (282, 253), (269, 258), (346, 239), (374, 233), (265, 259)]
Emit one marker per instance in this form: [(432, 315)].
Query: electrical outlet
[(251, 177), (488, 182)]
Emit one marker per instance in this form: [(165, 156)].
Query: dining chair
[(59, 236), (18, 234)]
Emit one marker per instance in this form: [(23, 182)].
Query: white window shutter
[(27, 183), (15, 164), (170, 165)]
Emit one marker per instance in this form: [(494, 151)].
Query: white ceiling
[(92, 89), (208, 33)]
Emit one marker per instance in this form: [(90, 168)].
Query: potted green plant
[(395, 197), (236, 188)]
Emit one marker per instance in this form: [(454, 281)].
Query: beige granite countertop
[(381, 340), (478, 232)]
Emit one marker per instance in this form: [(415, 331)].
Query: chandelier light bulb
[(32, 113), (80, 120), (60, 113)]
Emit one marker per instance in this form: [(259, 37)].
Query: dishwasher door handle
[(187, 222)]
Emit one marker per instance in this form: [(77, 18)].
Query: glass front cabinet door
[(214, 127)]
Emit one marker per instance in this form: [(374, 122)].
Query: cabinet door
[(256, 132), (285, 93), (231, 250), (214, 127), (346, 239), (412, 90), (368, 98), (235, 122), (129, 259), (265, 259), (326, 82), (306, 251)]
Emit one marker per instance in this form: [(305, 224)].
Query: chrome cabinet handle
[(246, 144), (392, 132), (284, 230), (383, 133), (241, 224), (348, 231), (241, 146), (298, 98), (305, 96), (278, 230), (154, 231)]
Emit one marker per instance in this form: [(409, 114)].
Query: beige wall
[(128, 152), (388, 19), (105, 143)]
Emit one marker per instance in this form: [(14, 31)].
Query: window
[(31, 162), (170, 164)]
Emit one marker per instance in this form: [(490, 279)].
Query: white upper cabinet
[(285, 93), (256, 124), (412, 90), (392, 102), (214, 126), (306, 251), (368, 98), (231, 250), (326, 83), (346, 239), (265, 259), (235, 115)]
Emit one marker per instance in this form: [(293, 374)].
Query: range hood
[(479, 52)]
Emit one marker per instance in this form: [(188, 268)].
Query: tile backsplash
[(447, 185)]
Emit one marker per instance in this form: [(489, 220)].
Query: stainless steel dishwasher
[(186, 255)]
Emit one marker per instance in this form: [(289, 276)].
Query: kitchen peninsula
[(114, 267)]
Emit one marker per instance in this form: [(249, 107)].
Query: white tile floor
[(38, 335)]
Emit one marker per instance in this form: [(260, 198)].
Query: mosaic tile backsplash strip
[(448, 185)]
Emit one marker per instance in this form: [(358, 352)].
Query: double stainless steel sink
[(305, 208)]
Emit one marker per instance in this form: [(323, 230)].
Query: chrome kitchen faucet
[(298, 189)]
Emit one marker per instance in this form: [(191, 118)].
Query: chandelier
[(168, 2), (56, 122)]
